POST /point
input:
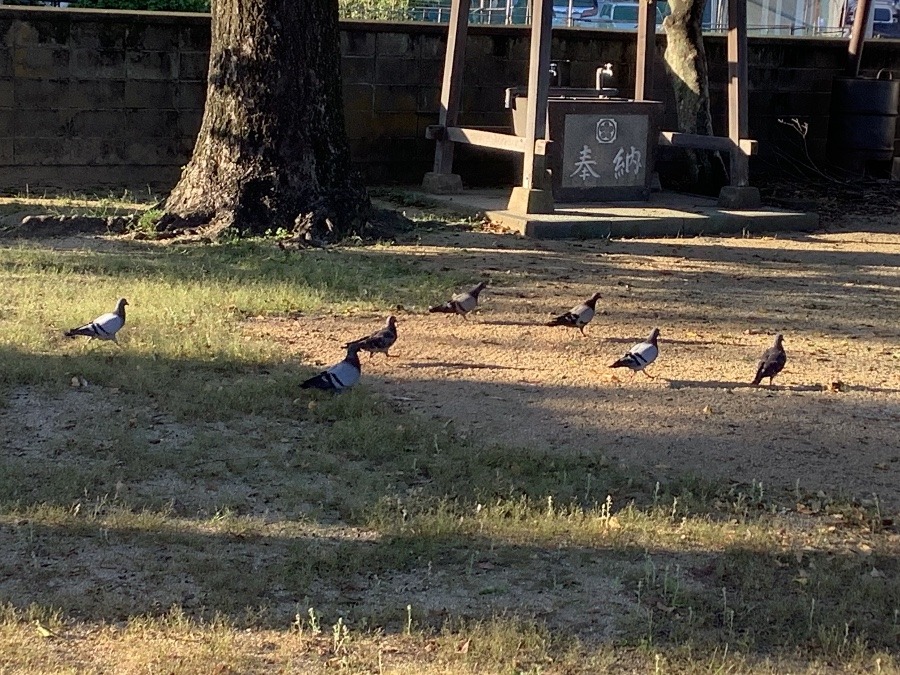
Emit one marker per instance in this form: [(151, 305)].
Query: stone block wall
[(91, 99)]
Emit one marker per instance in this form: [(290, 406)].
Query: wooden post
[(538, 87), (534, 195), (858, 36), (738, 110), (646, 49), (454, 62)]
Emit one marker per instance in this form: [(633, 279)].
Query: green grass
[(183, 340), (192, 515)]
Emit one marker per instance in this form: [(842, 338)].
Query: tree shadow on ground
[(105, 559)]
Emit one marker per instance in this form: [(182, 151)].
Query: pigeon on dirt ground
[(104, 327), (641, 355), (772, 361), (340, 376), (380, 341), (579, 316), (461, 303)]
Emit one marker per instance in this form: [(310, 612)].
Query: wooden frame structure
[(533, 196)]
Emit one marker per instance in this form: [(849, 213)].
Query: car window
[(606, 12), (576, 4), (626, 13)]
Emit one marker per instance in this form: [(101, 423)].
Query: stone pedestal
[(524, 201), (442, 183), (739, 198)]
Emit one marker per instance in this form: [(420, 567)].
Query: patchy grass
[(189, 511)]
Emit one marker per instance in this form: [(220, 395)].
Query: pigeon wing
[(771, 363), (638, 357), (583, 315), (340, 376), (104, 327), (567, 319)]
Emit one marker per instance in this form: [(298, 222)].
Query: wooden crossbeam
[(485, 139), (677, 139)]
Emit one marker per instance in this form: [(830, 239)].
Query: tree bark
[(272, 149), (686, 60)]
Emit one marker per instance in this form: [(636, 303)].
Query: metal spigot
[(603, 72)]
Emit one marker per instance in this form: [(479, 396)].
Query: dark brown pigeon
[(772, 361), (380, 341)]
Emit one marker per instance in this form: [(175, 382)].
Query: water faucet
[(603, 72)]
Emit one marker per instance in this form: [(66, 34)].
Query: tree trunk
[(272, 149), (686, 60)]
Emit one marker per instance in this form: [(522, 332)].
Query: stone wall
[(92, 99)]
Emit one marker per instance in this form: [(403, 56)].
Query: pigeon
[(461, 303), (579, 316), (103, 327), (772, 361), (380, 341), (641, 355), (340, 376)]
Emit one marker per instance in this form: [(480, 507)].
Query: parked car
[(604, 14), (885, 20), (481, 11), (566, 15)]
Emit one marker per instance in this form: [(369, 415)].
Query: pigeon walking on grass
[(104, 327), (641, 355), (461, 303), (772, 361), (380, 341), (579, 316), (340, 376)]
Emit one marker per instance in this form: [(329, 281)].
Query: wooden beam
[(738, 109), (485, 139), (538, 86), (858, 36), (646, 49), (451, 88), (677, 139)]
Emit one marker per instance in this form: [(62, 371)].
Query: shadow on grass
[(383, 471), (818, 604), (823, 283), (336, 275)]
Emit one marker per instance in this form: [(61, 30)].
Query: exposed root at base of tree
[(313, 229)]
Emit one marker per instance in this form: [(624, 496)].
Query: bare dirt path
[(831, 422)]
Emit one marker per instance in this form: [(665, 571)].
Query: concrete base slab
[(742, 198), (524, 201), (442, 183), (666, 214)]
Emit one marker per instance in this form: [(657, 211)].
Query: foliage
[(145, 5), (374, 9)]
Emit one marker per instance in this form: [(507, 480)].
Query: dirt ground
[(831, 422)]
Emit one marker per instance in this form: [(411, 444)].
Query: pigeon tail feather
[(627, 361), (567, 319)]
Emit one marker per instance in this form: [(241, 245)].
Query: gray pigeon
[(380, 341), (340, 376), (641, 355), (104, 327), (461, 303), (579, 316), (772, 361)]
